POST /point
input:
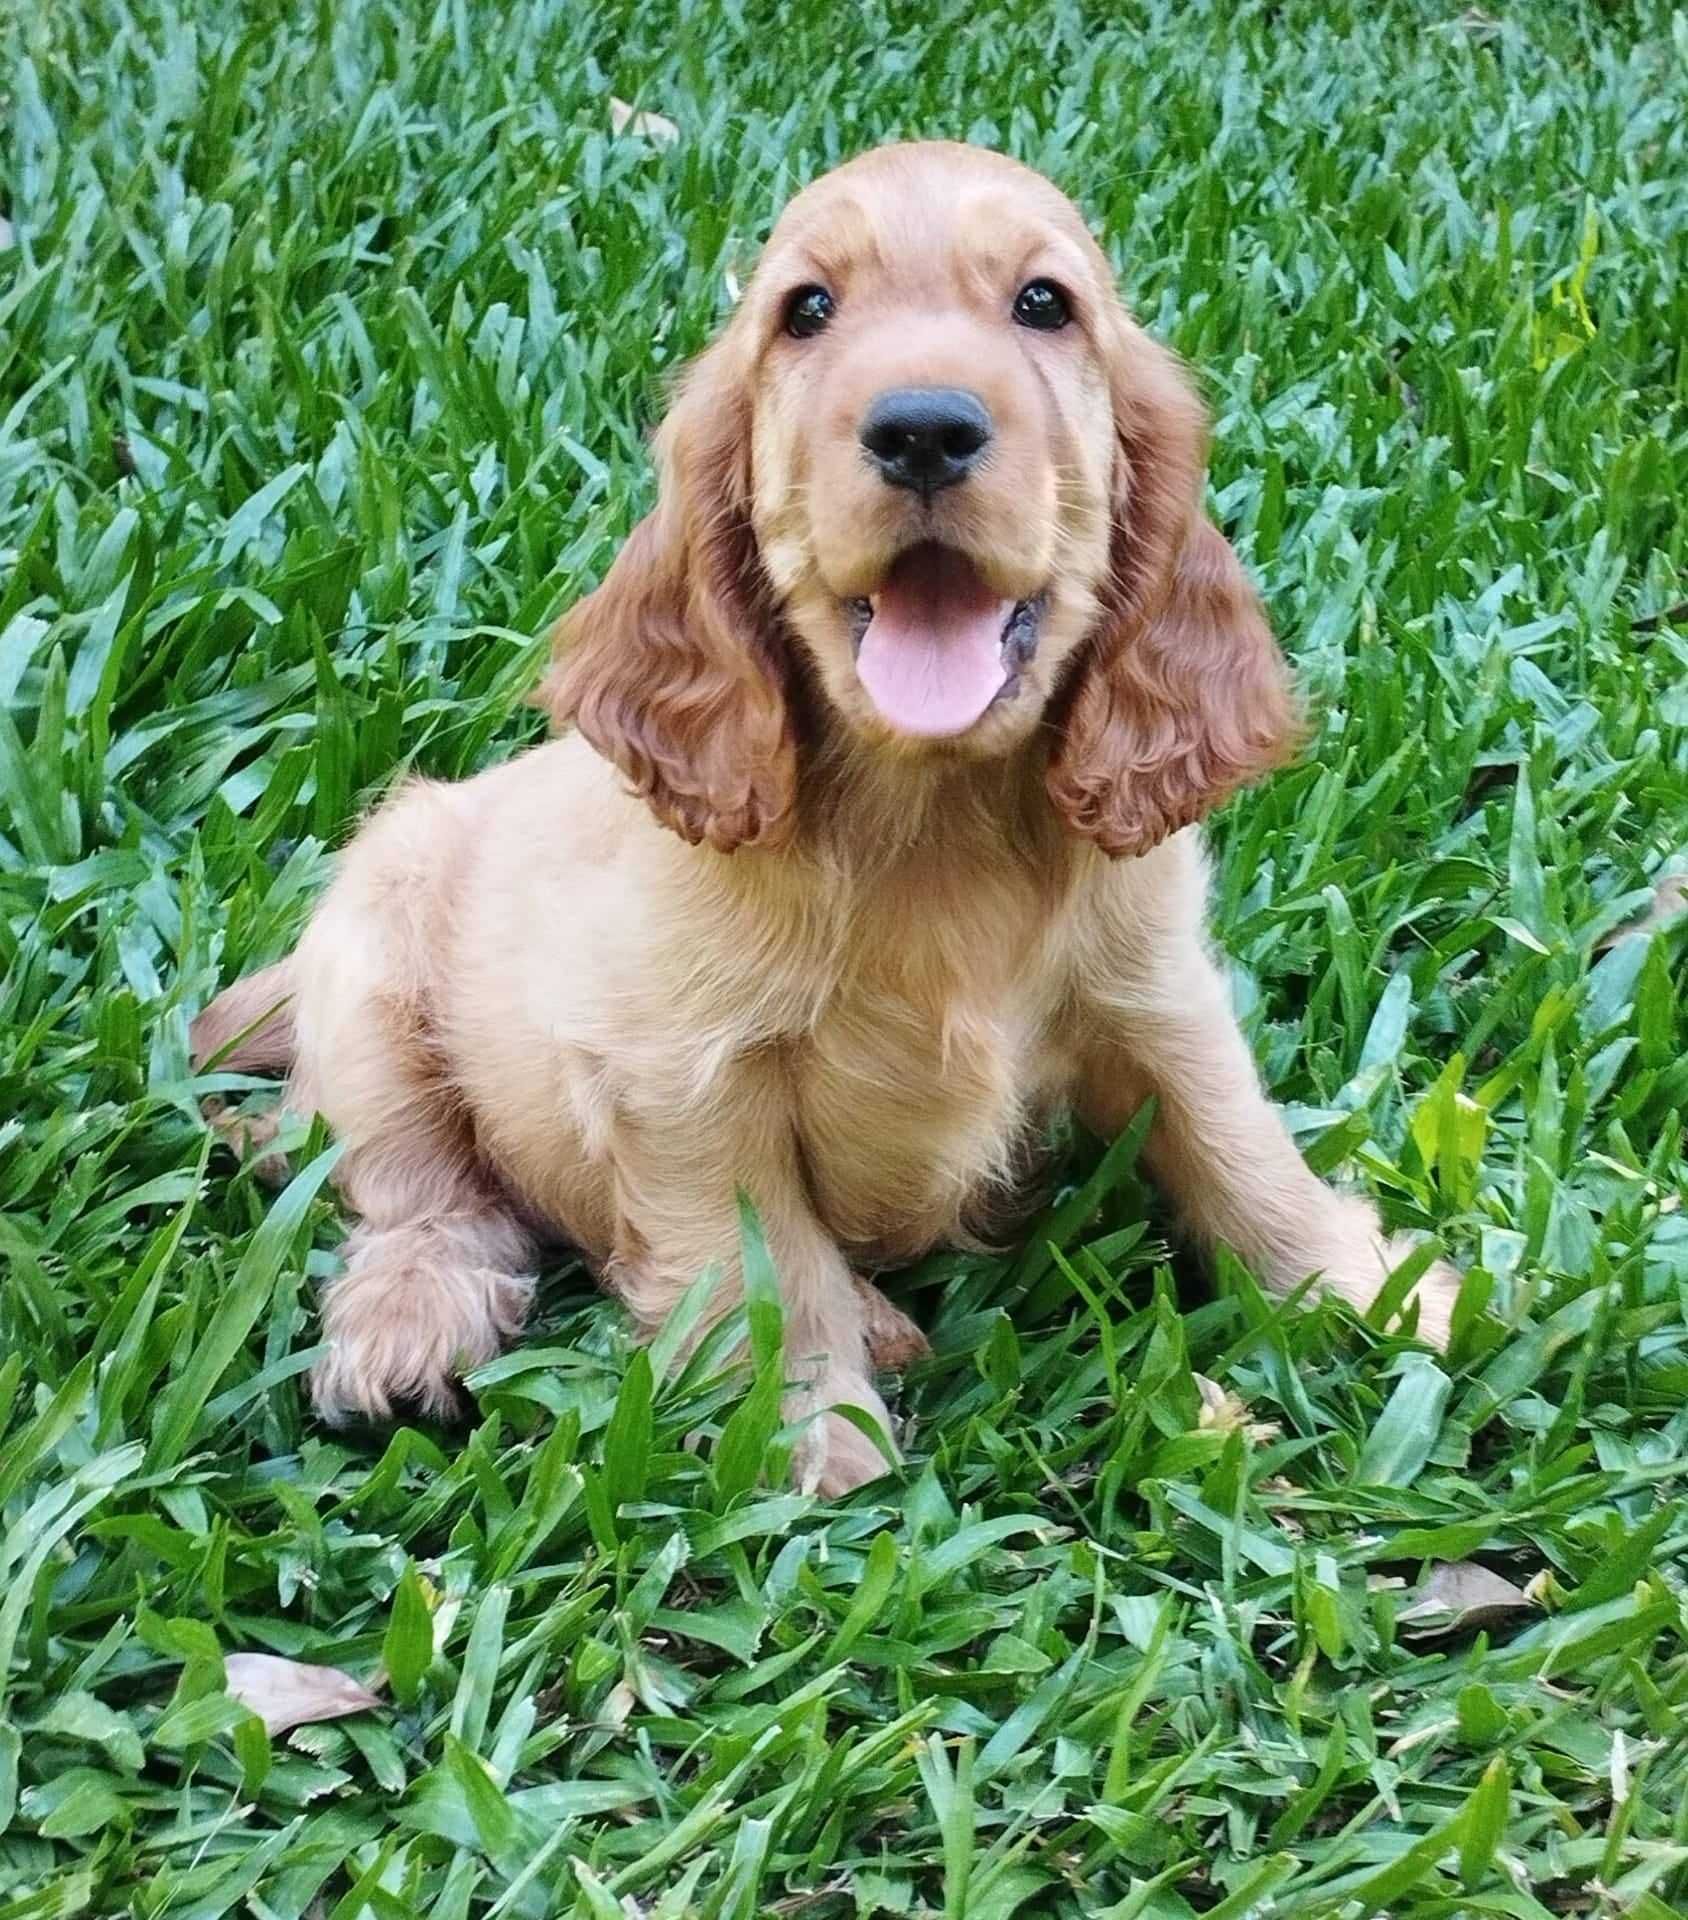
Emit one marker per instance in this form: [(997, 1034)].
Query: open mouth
[(935, 647)]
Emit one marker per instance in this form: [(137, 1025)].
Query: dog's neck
[(865, 812)]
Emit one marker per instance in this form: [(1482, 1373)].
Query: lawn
[(329, 338)]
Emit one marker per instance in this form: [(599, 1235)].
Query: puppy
[(867, 844)]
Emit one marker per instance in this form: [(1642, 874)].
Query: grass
[(328, 338)]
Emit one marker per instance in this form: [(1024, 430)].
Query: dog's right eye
[(807, 311)]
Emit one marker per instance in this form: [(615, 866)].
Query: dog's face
[(933, 442), (934, 469)]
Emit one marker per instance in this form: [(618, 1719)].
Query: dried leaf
[(619, 1702), (1224, 1411), (643, 125), (1276, 1485), (288, 1693), (1670, 899), (1543, 1590), (1482, 27), (1462, 1594)]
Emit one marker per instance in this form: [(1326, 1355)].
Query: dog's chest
[(913, 1092)]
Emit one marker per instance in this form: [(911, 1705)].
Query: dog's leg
[(676, 1172), (436, 1276), (1221, 1151), (248, 1028)]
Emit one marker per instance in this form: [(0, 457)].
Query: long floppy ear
[(1181, 695), (672, 667)]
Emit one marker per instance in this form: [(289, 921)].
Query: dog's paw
[(1354, 1258), (409, 1317), (833, 1456), (1436, 1291), (894, 1341), (248, 1136)]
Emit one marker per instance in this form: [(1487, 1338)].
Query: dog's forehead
[(920, 208)]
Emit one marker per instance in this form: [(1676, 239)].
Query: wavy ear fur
[(1181, 695), (672, 668)]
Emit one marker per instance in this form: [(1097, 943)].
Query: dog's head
[(935, 474)]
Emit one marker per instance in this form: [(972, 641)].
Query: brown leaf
[(643, 125), (288, 1693), (1670, 898), (1459, 1593), (1224, 1412), (619, 1702)]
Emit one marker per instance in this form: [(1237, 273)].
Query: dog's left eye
[(1041, 304), (807, 311)]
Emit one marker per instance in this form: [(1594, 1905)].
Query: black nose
[(926, 437)]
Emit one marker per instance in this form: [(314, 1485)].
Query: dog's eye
[(807, 311), (1041, 304)]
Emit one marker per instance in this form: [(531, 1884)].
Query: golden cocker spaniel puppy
[(869, 843)]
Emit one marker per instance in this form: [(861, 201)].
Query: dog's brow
[(1054, 253), (1001, 236), (833, 243)]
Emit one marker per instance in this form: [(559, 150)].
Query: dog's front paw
[(833, 1456), (1354, 1259), (408, 1317), (1436, 1290)]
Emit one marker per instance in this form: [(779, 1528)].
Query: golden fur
[(733, 929)]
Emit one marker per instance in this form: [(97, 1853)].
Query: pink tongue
[(931, 658)]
